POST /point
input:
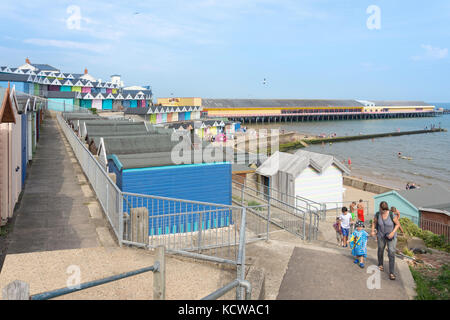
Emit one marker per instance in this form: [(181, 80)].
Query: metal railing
[(191, 228), (195, 229), (19, 290), (290, 213), (230, 286)]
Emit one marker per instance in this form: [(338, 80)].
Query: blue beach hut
[(153, 172)]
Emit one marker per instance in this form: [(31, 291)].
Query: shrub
[(408, 252), (431, 239)]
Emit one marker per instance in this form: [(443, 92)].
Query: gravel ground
[(44, 271)]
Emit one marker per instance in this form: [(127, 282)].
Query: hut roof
[(44, 67), (162, 159), (6, 111), (139, 144), (294, 164)]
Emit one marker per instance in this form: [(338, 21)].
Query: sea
[(377, 160)]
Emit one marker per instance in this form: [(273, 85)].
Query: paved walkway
[(53, 213), (319, 275)]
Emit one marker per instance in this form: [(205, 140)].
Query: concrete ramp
[(314, 274)]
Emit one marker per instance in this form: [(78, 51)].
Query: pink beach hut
[(10, 154)]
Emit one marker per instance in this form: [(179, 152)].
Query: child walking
[(358, 243), (337, 227), (346, 220)]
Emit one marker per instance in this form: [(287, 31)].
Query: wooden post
[(159, 277), (139, 225), (17, 290)]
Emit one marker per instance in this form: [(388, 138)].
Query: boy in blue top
[(358, 243)]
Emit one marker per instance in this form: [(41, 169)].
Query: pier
[(308, 117), (301, 143)]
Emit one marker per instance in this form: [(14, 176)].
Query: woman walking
[(386, 224)]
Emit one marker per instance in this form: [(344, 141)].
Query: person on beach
[(337, 228), (360, 208), (346, 220), (386, 225), (396, 213), (358, 243), (407, 186)]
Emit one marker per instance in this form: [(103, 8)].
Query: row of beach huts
[(20, 121)]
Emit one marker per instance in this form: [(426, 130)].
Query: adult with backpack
[(386, 224)]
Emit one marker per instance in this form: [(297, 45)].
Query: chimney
[(85, 71), (27, 61)]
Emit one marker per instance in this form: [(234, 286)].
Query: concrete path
[(320, 275), (296, 270), (53, 212)]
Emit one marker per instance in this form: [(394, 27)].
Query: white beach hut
[(314, 176)]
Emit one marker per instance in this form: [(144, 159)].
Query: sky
[(321, 49)]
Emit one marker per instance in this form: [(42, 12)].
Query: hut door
[(266, 183), (4, 188), (24, 147)]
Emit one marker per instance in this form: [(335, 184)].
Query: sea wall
[(366, 186)]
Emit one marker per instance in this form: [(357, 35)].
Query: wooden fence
[(436, 227)]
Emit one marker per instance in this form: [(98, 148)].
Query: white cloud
[(64, 44), (431, 53)]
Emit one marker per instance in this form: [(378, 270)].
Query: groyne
[(301, 143), (365, 185)]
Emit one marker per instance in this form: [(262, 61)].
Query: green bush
[(431, 239), (408, 252), (93, 110)]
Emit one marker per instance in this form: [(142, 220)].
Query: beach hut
[(310, 175), (133, 103), (107, 104), (145, 166), (10, 152), (16, 149), (7, 121), (431, 203)]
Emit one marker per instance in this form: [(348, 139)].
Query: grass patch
[(408, 252), (253, 203), (432, 284), (5, 230)]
